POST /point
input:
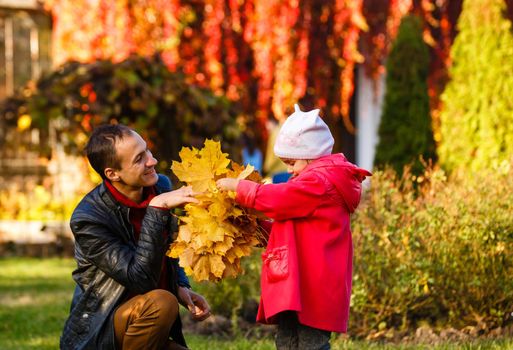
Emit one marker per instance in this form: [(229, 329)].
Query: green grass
[(208, 343), (34, 302), (197, 342)]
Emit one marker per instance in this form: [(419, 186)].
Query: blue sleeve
[(183, 281), (164, 184)]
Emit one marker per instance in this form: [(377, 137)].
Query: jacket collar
[(148, 194)]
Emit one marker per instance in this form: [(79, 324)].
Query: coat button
[(85, 316)]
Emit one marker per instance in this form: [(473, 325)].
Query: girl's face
[(295, 166)]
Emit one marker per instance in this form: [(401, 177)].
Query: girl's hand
[(228, 184)]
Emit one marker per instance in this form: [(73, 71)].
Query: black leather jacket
[(110, 264)]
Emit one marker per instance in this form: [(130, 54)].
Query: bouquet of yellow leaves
[(215, 233)]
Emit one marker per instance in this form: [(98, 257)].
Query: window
[(24, 46)]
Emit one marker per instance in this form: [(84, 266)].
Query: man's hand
[(197, 305), (227, 184), (175, 198)]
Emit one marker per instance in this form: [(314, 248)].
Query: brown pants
[(144, 321)]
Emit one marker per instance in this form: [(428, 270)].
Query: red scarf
[(136, 216)]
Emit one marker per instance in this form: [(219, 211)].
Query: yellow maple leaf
[(222, 248), (207, 234), (214, 157), (216, 265), (218, 209), (199, 168), (240, 172), (187, 269), (202, 269), (246, 172), (176, 249), (231, 256), (187, 257), (184, 233), (231, 270)]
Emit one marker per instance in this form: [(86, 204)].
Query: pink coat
[(307, 266)]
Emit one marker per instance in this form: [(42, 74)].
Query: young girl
[(307, 266)]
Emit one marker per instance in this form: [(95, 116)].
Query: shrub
[(434, 249), (36, 203), (476, 119), (429, 249), (405, 131), (140, 92)]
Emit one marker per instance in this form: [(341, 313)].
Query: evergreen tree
[(477, 117), (405, 132)]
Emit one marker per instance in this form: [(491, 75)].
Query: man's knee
[(145, 320), (164, 301)]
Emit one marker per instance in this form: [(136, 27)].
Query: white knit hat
[(304, 135)]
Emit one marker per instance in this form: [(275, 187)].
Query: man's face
[(137, 162)]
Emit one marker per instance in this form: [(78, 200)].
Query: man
[(127, 289)]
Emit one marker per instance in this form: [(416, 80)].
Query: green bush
[(35, 203), (429, 249), (405, 131), (476, 119), (434, 249)]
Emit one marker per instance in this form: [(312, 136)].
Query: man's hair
[(101, 148)]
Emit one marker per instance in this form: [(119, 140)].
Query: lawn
[(34, 302)]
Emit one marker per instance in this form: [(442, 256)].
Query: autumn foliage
[(476, 122), (216, 233), (267, 54), (264, 54)]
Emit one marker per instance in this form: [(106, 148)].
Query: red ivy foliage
[(260, 52), (266, 54)]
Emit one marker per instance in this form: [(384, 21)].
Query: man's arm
[(193, 301), (135, 266)]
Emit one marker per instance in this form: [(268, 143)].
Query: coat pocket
[(277, 262)]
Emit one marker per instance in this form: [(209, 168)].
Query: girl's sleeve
[(282, 201)]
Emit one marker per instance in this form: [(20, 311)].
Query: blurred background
[(418, 91)]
